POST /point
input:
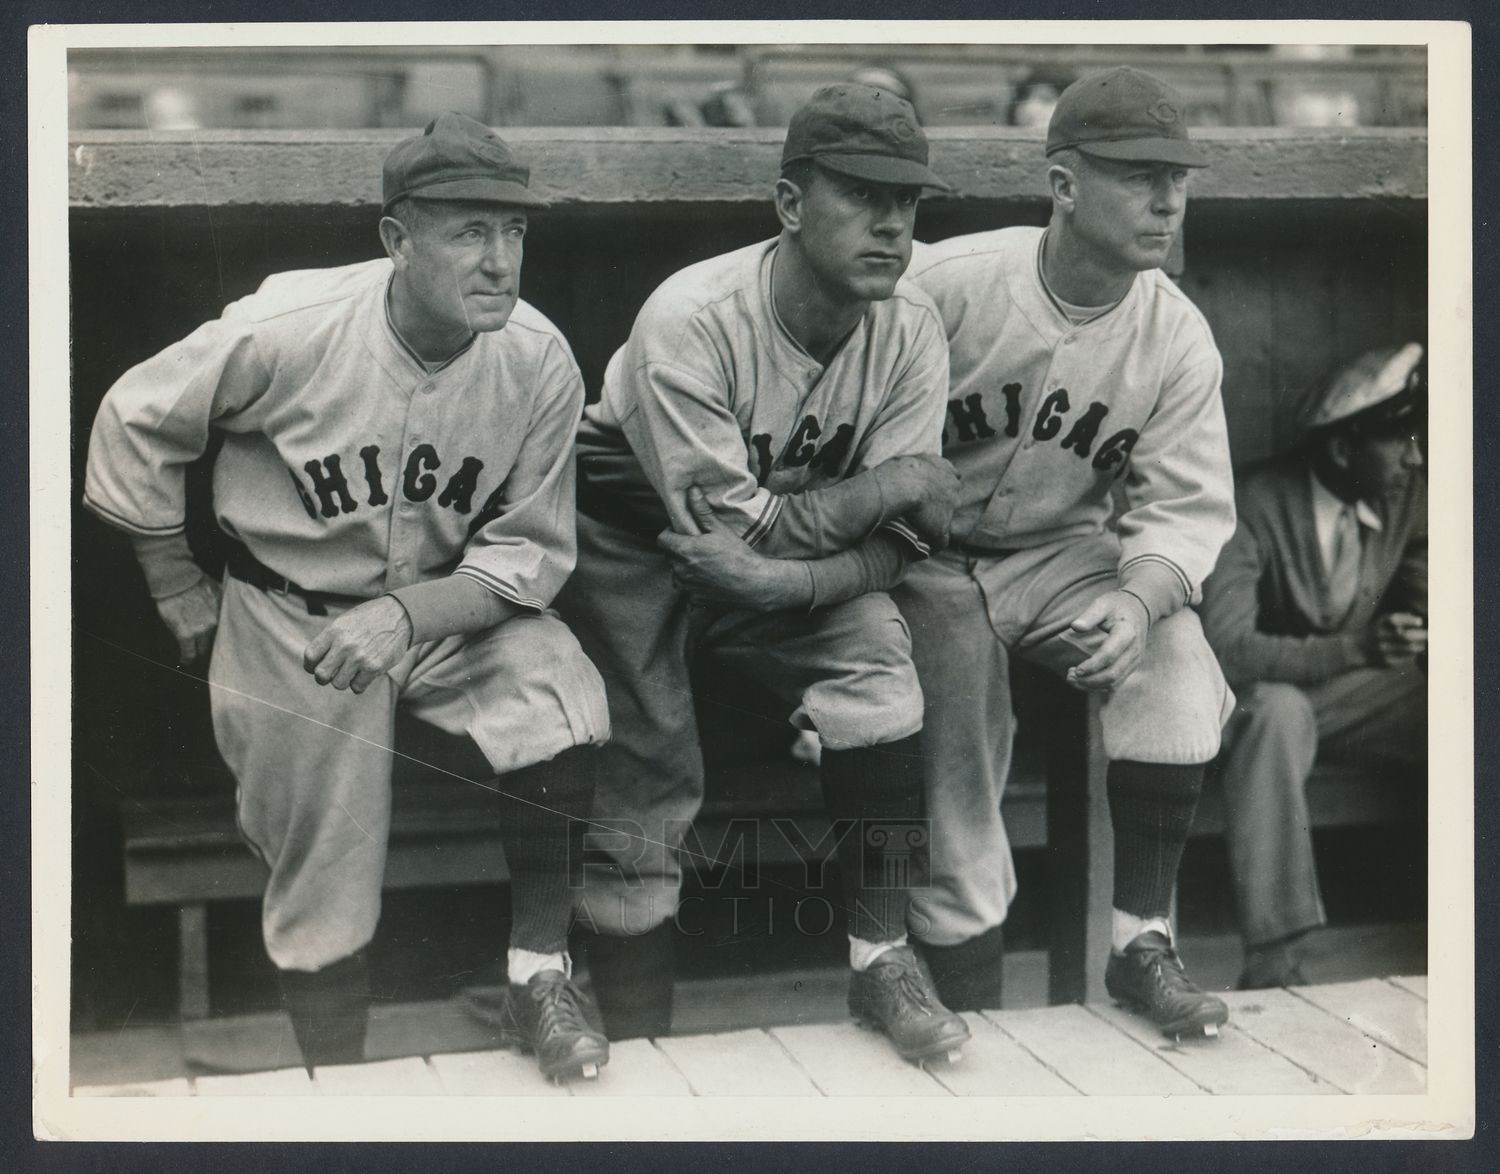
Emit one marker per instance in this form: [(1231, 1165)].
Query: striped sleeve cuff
[(909, 536), (762, 525), (1157, 582), (129, 526)]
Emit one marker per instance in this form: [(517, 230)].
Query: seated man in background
[(397, 477), (1317, 611)]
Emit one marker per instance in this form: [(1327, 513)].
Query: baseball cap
[(862, 131), (1124, 114), (1381, 391), (456, 158)]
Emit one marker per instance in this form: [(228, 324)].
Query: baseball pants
[(1373, 717), (313, 763), (968, 614), (846, 668)]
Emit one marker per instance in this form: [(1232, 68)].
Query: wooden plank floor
[(1368, 1036)]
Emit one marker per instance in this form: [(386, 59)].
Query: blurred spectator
[(1332, 105), (1318, 612), (884, 76), (728, 105), (1036, 94), (171, 108)]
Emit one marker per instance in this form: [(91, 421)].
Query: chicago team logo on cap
[(1164, 112), (903, 130)]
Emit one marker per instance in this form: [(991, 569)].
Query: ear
[(396, 239), (1340, 451), (1062, 182), (788, 198)]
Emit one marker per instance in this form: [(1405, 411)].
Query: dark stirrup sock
[(874, 786), (632, 979), (330, 1010), (1151, 807), (969, 976), (544, 810)]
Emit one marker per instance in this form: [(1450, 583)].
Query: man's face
[(460, 264), (1127, 214), (856, 234), (1382, 466)]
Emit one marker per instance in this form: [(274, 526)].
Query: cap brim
[(1176, 151), (1391, 415), (480, 189), (884, 169)]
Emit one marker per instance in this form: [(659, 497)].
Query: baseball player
[(397, 473), (1077, 368), (762, 462), (1318, 611)]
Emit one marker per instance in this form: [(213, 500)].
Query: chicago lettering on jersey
[(801, 449), (971, 424), (332, 495)]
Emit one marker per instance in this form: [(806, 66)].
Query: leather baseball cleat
[(1148, 978), (548, 1017), (895, 995)]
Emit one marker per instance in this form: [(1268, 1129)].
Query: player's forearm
[(817, 523), (454, 605), (876, 564), (1158, 587), (773, 584), (167, 563)]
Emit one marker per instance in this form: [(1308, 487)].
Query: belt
[(980, 551), (248, 569)]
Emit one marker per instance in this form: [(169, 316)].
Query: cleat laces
[(559, 1011)]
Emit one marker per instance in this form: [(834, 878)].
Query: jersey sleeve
[(911, 423), (674, 410), (156, 420), (524, 542), (1179, 487), (818, 523)]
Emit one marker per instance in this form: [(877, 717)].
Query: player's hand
[(717, 566), (1398, 638), (1122, 619), (360, 645), (912, 483), (192, 616), (922, 491)]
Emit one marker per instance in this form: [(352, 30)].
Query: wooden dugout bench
[(1302, 248), (187, 853)]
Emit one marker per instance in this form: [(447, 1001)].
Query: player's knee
[(1173, 707)]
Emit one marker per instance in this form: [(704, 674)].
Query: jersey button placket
[(401, 525)]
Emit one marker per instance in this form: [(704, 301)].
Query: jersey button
[(428, 388)]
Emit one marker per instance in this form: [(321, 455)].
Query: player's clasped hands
[(192, 616), (1123, 620), (717, 566), (364, 642), (1398, 638)]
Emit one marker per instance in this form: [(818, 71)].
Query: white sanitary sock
[(522, 965), (862, 953), (1124, 928)]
